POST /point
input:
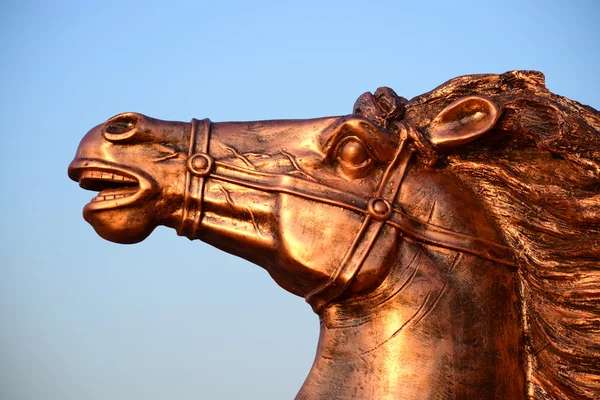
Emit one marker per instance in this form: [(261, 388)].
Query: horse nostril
[(120, 127), (121, 124)]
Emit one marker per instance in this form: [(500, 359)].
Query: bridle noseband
[(199, 165), (378, 210)]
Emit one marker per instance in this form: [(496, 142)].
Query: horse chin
[(123, 226)]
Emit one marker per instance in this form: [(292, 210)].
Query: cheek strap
[(379, 210)]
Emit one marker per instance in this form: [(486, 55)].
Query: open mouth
[(112, 186)]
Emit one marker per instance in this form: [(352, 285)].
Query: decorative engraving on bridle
[(379, 209)]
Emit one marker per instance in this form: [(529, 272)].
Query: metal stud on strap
[(379, 208), (200, 164)]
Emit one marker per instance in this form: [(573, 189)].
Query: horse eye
[(353, 153)]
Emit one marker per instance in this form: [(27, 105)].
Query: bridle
[(378, 210)]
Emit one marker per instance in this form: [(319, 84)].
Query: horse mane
[(538, 174)]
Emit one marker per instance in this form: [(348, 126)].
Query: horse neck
[(441, 325)]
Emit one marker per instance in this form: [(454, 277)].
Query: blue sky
[(82, 318)]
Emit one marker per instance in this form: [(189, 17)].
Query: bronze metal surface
[(450, 244)]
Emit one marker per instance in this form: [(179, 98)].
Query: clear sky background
[(85, 319)]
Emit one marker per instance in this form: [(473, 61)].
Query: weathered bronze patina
[(450, 244)]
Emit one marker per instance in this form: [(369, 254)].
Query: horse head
[(411, 274)]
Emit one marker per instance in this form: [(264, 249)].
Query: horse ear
[(462, 121)]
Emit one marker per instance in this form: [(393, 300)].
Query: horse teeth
[(107, 176), (110, 197)]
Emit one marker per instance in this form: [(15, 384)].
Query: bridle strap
[(378, 210), (199, 165), (409, 226)]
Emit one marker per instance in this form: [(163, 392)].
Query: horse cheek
[(314, 237)]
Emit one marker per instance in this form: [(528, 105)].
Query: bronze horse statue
[(450, 244)]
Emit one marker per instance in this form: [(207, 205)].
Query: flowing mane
[(538, 174)]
